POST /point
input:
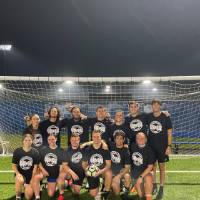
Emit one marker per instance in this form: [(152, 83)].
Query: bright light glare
[(154, 89), (60, 90), (147, 82), (69, 82), (5, 47)]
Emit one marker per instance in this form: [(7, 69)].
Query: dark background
[(100, 37)]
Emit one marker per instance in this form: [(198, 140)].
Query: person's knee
[(77, 189), (51, 193), (93, 193), (28, 193), (108, 175)]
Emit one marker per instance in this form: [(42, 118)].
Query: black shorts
[(27, 178), (80, 180), (135, 174), (160, 155), (93, 182)]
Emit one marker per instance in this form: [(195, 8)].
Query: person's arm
[(68, 170), (107, 166), (169, 147), (85, 144), (44, 172), (14, 168), (124, 171), (144, 173)]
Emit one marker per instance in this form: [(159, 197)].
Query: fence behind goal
[(180, 96)]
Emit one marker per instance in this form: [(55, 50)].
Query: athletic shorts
[(160, 155), (51, 180), (80, 180), (93, 182)]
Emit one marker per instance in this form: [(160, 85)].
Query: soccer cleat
[(60, 197), (160, 194), (155, 189), (18, 198), (105, 194)]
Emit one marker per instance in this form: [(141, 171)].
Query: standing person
[(76, 125), (51, 160), (135, 120), (120, 162), (96, 155), (142, 160), (160, 139), (24, 164), (51, 125), (119, 125), (34, 130), (101, 123)]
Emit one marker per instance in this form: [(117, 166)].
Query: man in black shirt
[(119, 125), (160, 139), (73, 159), (101, 123), (24, 164), (142, 160), (76, 125), (135, 120), (96, 155), (120, 162), (51, 125)]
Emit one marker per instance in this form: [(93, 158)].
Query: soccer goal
[(180, 96)]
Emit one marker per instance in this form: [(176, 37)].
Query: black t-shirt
[(78, 126), (136, 124), (51, 159), (101, 125), (158, 130), (97, 157), (119, 157), (74, 159), (37, 136), (47, 127), (25, 161), (123, 127), (141, 158)]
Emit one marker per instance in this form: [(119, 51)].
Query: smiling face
[(75, 141), (119, 117), (133, 108), (76, 112), (141, 139), (35, 120), (54, 112), (101, 112), (96, 137), (27, 141), (52, 140)]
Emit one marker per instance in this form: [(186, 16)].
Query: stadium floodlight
[(108, 87), (147, 82), (69, 82), (60, 90), (154, 89), (5, 47), (1, 86)]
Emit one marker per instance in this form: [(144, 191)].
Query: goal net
[(180, 96)]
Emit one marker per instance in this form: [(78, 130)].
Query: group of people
[(125, 150)]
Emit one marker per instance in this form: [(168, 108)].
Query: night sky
[(100, 37)]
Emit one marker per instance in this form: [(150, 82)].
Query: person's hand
[(168, 151), (45, 173), (74, 176), (167, 114), (139, 181)]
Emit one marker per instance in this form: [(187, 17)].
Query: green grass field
[(178, 186)]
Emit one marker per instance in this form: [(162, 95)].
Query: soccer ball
[(92, 170)]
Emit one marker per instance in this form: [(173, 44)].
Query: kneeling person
[(24, 164), (99, 157), (142, 160), (120, 162)]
